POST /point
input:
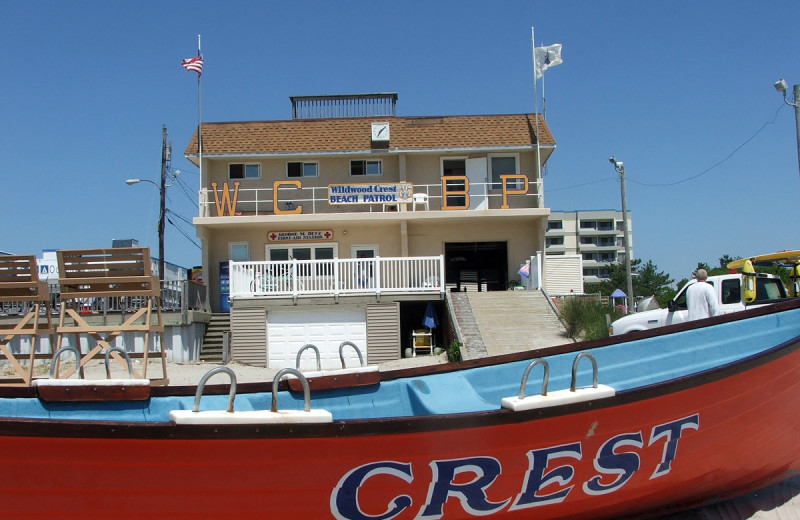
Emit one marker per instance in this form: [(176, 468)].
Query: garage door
[(288, 331)]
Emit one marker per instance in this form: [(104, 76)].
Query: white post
[(201, 204), (536, 115)]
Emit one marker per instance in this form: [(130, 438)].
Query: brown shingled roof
[(353, 134)]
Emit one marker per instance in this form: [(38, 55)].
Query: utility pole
[(162, 190), (625, 234), (781, 87), (796, 105)]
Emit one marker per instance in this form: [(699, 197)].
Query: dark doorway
[(476, 266), (412, 316)]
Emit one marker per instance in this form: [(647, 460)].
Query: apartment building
[(597, 236)]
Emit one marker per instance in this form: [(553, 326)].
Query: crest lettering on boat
[(469, 480)]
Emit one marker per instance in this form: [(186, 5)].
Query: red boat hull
[(648, 451)]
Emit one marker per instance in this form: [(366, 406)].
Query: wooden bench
[(123, 272), (19, 283)]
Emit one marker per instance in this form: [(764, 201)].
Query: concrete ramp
[(501, 322)]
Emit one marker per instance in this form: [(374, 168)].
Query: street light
[(162, 190), (620, 168), (781, 87)]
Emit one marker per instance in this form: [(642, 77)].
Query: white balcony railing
[(338, 276), (314, 199)]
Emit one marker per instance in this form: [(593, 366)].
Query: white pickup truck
[(769, 288)]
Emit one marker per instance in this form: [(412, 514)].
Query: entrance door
[(477, 175), (476, 266), (450, 168), (364, 270)]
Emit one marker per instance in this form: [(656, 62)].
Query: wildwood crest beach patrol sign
[(378, 193)]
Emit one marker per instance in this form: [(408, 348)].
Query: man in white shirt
[(701, 298)]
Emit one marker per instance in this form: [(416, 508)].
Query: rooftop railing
[(347, 105)]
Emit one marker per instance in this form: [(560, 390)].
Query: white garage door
[(288, 331)]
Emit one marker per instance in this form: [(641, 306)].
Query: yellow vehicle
[(787, 258)]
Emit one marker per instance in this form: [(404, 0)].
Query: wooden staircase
[(211, 351)]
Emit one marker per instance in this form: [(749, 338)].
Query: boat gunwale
[(71, 428)]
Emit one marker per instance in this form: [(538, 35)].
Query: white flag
[(546, 57)]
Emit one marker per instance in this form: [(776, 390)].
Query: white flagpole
[(544, 101), (200, 133), (536, 115), (542, 256)]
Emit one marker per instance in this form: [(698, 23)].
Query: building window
[(552, 225), (504, 165), (366, 168), (305, 252), (588, 224), (605, 225), (451, 168), (554, 241), (587, 240), (244, 171), (239, 251), (302, 169)]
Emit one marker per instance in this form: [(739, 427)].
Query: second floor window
[(504, 165), (365, 168), (244, 171), (302, 169)]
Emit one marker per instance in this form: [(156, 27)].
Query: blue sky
[(680, 91)]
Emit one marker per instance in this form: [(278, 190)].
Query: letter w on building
[(226, 206)]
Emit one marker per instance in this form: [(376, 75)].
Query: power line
[(582, 184), (181, 217), (184, 234), (774, 118), (745, 143), (186, 191)]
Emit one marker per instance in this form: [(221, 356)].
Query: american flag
[(195, 64)]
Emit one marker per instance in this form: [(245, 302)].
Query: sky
[(681, 92)]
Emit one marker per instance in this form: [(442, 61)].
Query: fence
[(338, 276), (176, 296)]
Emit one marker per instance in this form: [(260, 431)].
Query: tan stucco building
[(323, 216)]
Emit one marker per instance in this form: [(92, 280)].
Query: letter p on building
[(521, 188)]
